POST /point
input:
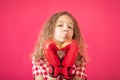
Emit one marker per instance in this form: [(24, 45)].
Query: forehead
[(65, 18)]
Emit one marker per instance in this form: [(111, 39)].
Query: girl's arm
[(40, 77), (77, 78), (37, 72), (80, 73), (51, 78)]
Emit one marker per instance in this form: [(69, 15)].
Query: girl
[(61, 30)]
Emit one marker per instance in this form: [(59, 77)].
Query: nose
[(65, 28)]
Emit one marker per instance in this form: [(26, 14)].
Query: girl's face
[(63, 29)]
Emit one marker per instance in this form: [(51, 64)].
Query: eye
[(60, 25), (71, 27)]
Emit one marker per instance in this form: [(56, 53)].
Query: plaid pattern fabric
[(42, 69)]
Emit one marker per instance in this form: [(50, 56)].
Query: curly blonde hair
[(48, 31)]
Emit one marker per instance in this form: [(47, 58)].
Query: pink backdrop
[(21, 20)]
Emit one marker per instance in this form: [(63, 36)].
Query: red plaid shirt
[(42, 69)]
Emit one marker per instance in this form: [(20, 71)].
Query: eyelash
[(60, 25), (68, 26)]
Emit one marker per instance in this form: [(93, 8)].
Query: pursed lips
[(65, 35)]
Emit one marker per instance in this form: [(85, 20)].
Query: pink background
[(21, 20)]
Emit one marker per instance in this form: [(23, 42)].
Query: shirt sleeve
[(80, 71), (36, 68), (41, 68)]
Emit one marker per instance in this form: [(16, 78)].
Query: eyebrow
[(63, 21)]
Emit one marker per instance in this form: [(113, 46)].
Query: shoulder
[(39, 62)]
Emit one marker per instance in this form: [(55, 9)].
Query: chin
[(63, 40)]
